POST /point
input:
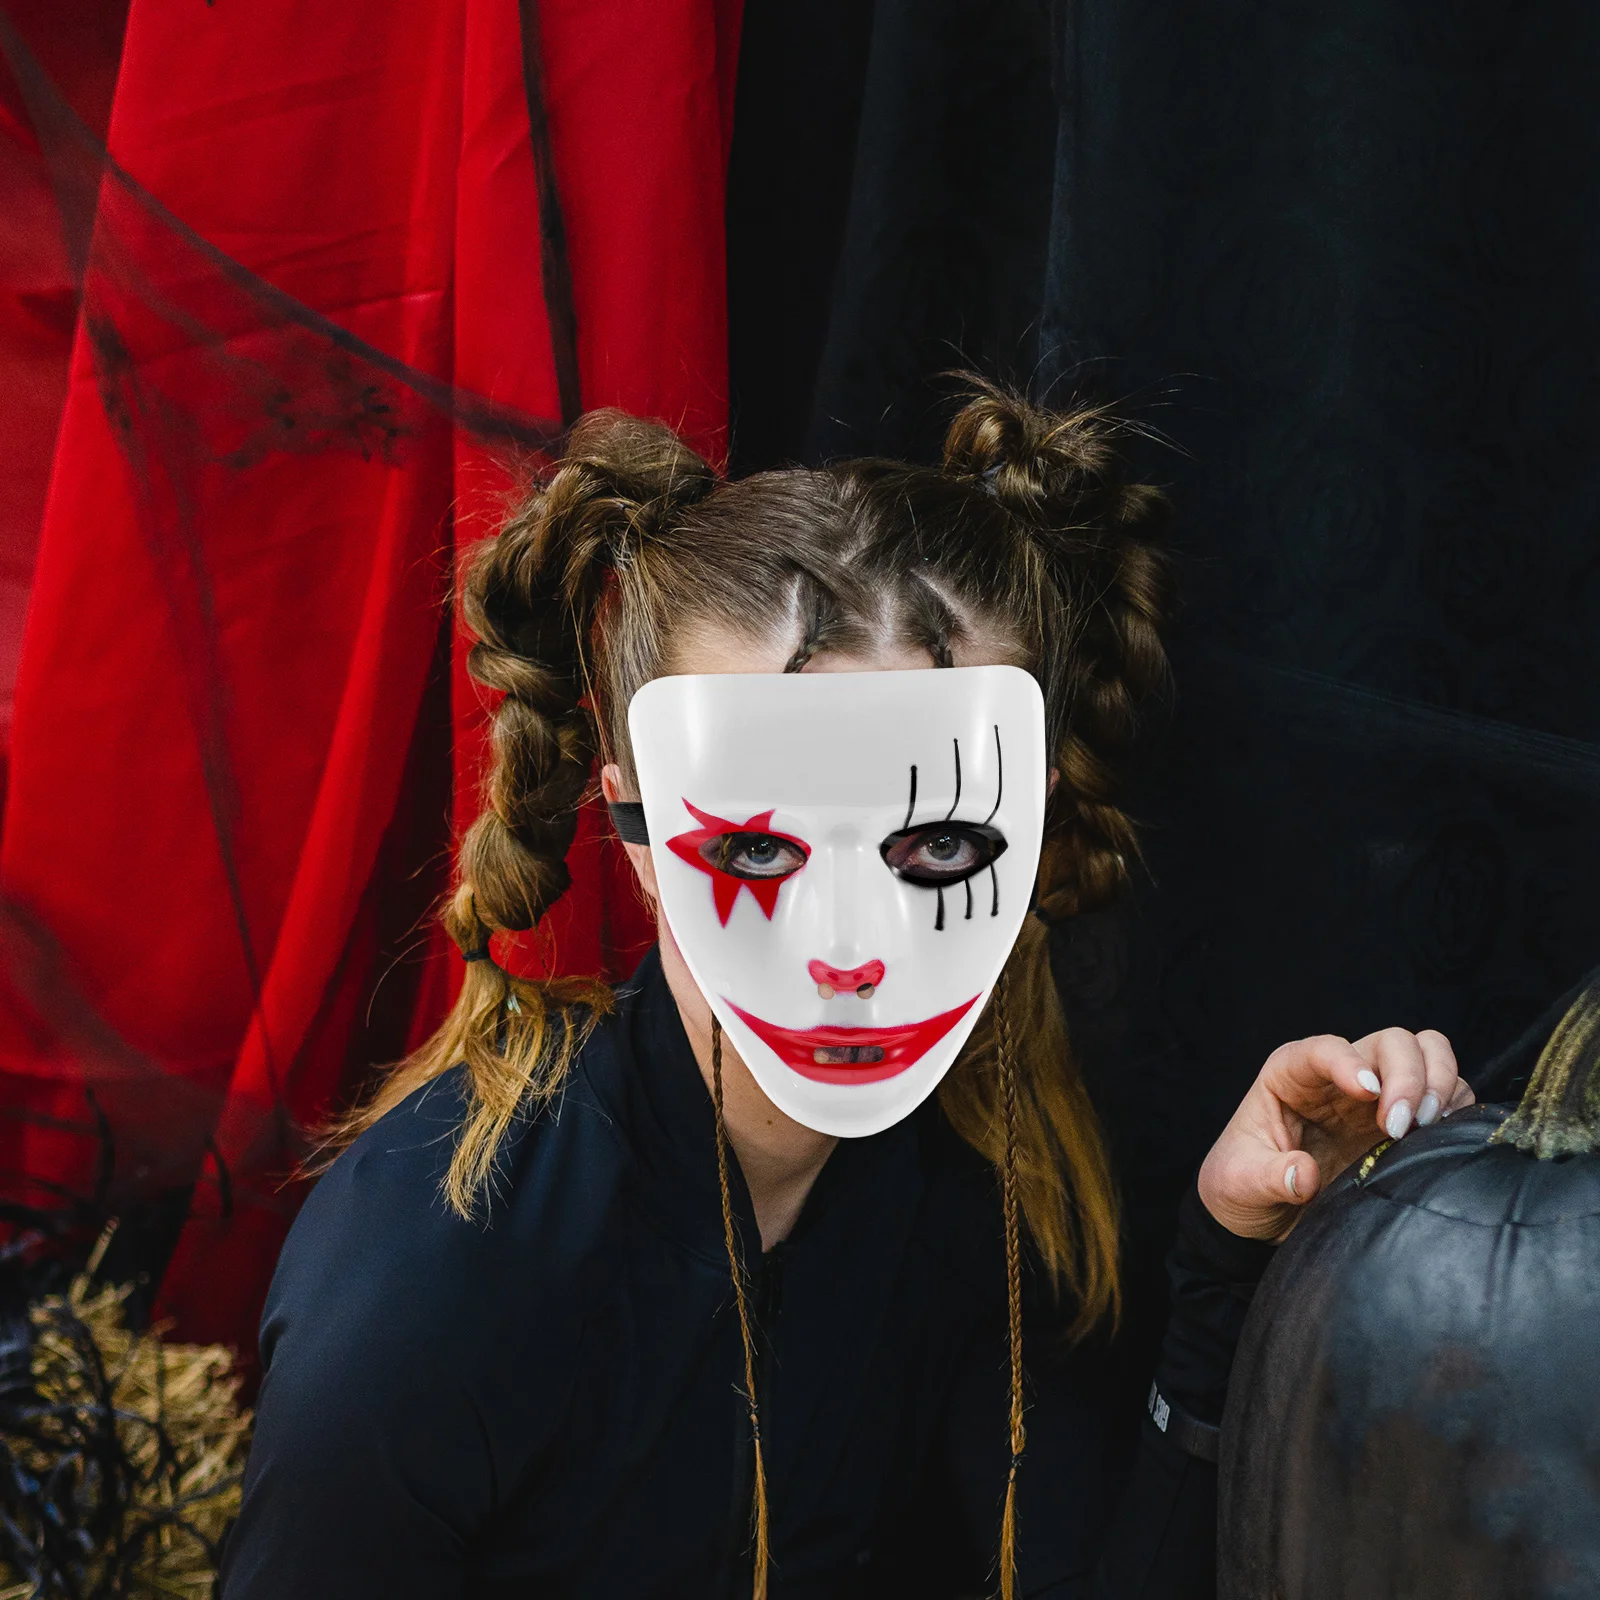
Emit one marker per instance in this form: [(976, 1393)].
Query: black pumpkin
[(1414, 1411)]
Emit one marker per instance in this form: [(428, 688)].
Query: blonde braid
[(1008, 1203), (736, 1267)]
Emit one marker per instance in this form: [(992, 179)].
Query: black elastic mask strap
[(627, 817)]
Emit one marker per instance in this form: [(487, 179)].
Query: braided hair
[(531, 597), (1101, 540)]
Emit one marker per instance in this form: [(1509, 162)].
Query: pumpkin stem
[(1560, 1113)]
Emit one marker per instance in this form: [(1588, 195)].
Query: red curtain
[(223, 868), (79, 42)]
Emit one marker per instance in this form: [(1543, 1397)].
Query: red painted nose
[(846, 977)]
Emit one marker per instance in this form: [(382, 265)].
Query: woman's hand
[(1314, 1108)]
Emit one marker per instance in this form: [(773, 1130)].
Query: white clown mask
[(845, 860)]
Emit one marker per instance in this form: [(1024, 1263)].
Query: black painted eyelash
[(1000, 789), (999, 774)]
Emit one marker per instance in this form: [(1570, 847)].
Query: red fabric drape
[(374, 162), (79, 42)]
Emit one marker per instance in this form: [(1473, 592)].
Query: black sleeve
[(342, 1493), (1089, 1527), (384, 1433), (367, 1472), (1162, 1543)]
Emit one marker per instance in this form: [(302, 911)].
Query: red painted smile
[(854, 1055)]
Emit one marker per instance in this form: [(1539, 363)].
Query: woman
[(598, 1302)]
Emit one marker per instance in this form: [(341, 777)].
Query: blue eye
[(753, 856), (939, 854)]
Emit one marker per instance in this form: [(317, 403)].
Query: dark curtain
[(1344, 259), (1347, 258), (802, 73), (888, 217)]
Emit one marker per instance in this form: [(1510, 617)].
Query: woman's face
[(842, 859)]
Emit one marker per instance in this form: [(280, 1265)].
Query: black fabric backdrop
[(1346, 258), (888, 217)]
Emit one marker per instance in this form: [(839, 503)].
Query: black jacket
[(545, 1403)]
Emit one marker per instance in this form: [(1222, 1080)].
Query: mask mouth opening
[(852, 1055)]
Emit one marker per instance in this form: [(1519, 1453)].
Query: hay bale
[(121, 1456)]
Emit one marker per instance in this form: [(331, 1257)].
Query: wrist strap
[(1199, 1439)]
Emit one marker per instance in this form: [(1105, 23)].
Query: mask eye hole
[(938, 854), (754, 856)]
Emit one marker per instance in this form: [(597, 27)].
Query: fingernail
[(1368, 1079), (1291, 1181), (1399, 1119), (1428, 1110)]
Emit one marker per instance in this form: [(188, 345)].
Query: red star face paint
[(739, 855), (886, 826)]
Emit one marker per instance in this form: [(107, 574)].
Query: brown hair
[(1027, 544)]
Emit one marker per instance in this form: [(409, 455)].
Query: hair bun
[(632, 477), (1047, 466), (532, 591)]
